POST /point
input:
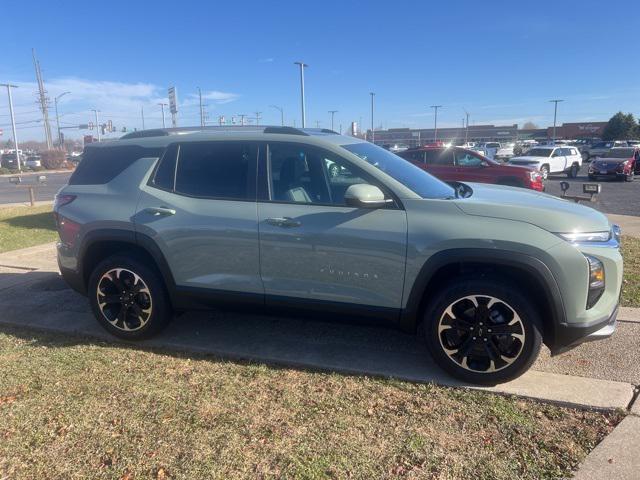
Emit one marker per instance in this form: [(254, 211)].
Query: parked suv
[(600, 149), (551, 159), (159, 222), (459, 164)]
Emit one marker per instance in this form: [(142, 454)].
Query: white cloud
[(120, 102)]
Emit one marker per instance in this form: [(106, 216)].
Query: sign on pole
[(173, 105)]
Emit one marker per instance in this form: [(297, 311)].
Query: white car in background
[(551, 159), (504, 153), (33, 161), (490, 149)]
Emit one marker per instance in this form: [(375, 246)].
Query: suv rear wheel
[(573, 171), (482, 331), (128, 298)]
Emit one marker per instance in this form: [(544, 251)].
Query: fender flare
[(410, 315)]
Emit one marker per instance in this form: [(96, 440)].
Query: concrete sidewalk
[(630, 225)]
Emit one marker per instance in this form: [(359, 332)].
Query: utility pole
[(317, 123), (13, 122), (373, 135), (555, 115), (97, 125), (258, 118), (281, 113), (142, 114), (242, 116), (55, 102), (466, 133), (332, 112), (201, 109), (162, 105), (435, 123), (302, 67), (43, 100)]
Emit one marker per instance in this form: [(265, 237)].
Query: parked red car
[(621, 163), (459, 164)]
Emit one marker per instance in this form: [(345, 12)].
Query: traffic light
[(103, 128), (61, 138)]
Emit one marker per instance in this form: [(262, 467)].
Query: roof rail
[(163, 132), (285, 130)]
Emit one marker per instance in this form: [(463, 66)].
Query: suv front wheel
[(482, 331), (128, 298)]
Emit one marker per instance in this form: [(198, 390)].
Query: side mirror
[(362, 195)]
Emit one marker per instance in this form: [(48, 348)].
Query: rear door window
[(442, 157), (217, 170), (101, 164)]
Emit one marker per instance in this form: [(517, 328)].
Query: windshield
[(620, 153), (539, 152), (412, 177)]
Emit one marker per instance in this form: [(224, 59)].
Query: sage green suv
[(174, 219)]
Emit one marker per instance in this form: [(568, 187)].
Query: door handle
[(284, 222), (160, 211)]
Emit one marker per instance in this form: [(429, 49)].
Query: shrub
[(4, 171), (37, 169), (53, 159)]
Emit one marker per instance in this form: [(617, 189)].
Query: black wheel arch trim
[(136, 239), (411, 315)]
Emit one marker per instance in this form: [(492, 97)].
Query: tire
[(573, 171), (508, 310), (544, 171), (128, 283), (585, 156)]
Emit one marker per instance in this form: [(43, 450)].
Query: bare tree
[(530, 126)]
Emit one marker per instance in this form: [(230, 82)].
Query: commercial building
[(485, 133)]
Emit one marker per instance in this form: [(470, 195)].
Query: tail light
[(67, 229), (62, 200)]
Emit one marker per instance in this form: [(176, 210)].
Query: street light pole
[(142, 114), (332, 112), (435, 122), (258, 118), (373, 135), (201, 110), (55, 102), (13, 122), (466, 133), (281, 113), (162, 105), (555, 115), (302, 66)]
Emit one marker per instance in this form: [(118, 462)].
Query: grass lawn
[(631, 281), (77, 408), (22, 227)]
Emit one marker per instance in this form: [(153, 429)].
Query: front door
[(199, 207), (472, 168), (313, 246), (558, 160)]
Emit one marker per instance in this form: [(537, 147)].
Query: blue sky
[(501, 61)]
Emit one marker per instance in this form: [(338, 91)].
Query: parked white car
[(490, 149), (504, 153), (33, 161), (551, 159)]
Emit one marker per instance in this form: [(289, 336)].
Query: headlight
[(596, 280), (586, 237)]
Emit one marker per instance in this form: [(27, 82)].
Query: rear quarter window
[(100, 165)]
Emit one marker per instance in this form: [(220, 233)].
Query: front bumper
[(569, 336)]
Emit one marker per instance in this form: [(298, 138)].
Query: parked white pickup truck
[(551, 159)]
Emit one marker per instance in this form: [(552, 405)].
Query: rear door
[(316, 248), (441, 164), (558, 160), (199, 207)]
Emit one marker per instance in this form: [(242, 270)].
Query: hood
[(545, 211), (601, 160)]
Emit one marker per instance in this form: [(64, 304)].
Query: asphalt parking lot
[(622, 198)]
